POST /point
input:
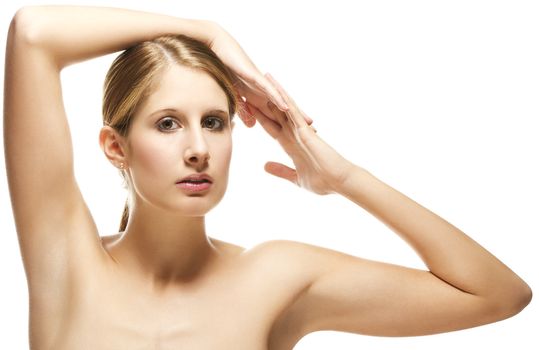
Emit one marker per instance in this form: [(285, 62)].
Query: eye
[(213, 123), (167, 124)]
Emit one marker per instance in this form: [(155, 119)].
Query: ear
[(114, 147)]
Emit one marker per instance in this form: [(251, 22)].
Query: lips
[(196, 178), (195, 183)]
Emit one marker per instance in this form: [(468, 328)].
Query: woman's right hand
[(253, 85)]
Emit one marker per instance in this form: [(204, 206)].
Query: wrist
[(205, 30), (351, 180)]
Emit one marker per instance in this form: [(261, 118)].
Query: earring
[(122, 166)]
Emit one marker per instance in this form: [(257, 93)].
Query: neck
[(165, 248)]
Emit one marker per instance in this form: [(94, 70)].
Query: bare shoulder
[(288, 251), (295, 264), (299, 261), (292, 267)]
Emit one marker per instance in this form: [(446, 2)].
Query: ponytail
[(125, 218)]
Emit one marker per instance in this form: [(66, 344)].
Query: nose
[(196, 153)]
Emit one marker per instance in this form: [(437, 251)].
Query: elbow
[(24, 26), (522, 299), (512, 301)]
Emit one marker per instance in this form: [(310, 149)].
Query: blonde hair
[(131, 76)]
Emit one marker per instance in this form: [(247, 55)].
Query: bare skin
[(163, 283), (229, 305)]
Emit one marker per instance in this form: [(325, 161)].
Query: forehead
[(189, 90)]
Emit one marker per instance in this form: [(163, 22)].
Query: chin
[(196, 205), (194, 210), (186, 204)]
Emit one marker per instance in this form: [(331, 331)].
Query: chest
[(228, 312), (217, 323)]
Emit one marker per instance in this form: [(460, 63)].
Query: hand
[(318, 167), (252, 85)]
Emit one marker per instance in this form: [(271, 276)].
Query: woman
[(168, 110)]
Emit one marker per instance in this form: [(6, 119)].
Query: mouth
[(195, 183)]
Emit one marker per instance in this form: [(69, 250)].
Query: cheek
[(222, 154), (152, 156)]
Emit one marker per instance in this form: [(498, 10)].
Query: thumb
[(282, 171)]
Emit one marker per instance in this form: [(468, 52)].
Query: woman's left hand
[(251, 84), (318, 167)]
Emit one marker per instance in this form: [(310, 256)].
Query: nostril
[(196, 157)]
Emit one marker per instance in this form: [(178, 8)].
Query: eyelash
[(214, 118)]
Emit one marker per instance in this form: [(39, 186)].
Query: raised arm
[(52, 220), (465, 286), (68, 34)]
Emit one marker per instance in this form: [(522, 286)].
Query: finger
[(308, 119), (268, 124), (263, 86), (282, 171), (277, 114), (293, 111), (249, 121), (246, 115), (261, 102), (271, 92)]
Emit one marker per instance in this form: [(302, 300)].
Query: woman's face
[(183, 128)]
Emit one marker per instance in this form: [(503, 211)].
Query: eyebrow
[(174, 110)]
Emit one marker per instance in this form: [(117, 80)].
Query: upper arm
[(355, 295), (51, 217)]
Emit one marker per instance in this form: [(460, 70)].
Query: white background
[(437, 99)]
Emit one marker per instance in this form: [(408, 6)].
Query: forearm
[(74, 33), (447, 251)]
